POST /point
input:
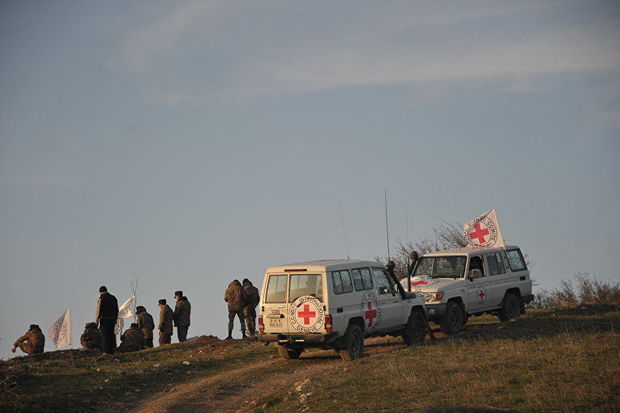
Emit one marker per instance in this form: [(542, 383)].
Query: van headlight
[(434, 296)]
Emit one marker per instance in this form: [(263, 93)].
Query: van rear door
[(306, 308), (274, 308)]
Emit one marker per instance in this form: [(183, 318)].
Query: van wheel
[(353, 343), (511, 308), (415, 329), (288, 353), (452, 321)]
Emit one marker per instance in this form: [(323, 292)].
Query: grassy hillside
[(550, 360)]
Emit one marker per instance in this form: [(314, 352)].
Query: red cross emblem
[(481, 294), (370, 314), (306, 314), (479, 233), (419, 282)]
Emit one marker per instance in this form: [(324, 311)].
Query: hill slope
[(550, 360)]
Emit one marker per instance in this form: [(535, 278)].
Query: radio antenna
[(344, 231), (387, 226)]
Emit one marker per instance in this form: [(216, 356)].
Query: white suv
[(471, 281), (334, 304)]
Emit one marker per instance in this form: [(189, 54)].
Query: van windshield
[(441, 267), (305, 284)]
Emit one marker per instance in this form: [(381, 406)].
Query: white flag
[(484, 231), (124, 312), (60, 331)]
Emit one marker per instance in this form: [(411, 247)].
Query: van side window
[(476, 269), (381, 281), (357, 279), (366, 278), (515, 260), (342, 282), (495, 264), (276, 289)]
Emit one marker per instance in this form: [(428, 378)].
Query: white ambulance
[(462, 282), (334, 304)]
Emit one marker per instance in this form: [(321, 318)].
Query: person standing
[(107, 313), (182, 311), (146, 325), (32, 342), (165, 322), (235, 297), (252, 300)]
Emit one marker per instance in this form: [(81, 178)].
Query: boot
[(243, 336), (229, 335)]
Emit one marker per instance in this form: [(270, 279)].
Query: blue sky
[(192, 143)]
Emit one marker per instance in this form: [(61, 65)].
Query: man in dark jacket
[(249, 311), (91, 338), (235, 297), (32, 342), (132, 339), (107, 313), (182, 311), (165, 322), (146, 325)]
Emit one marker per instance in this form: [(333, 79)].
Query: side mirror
[(475, 273)]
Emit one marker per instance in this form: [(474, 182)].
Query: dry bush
[(585, 289)]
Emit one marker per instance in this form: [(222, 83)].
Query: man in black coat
[(107, 313)]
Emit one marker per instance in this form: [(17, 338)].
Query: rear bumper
[(300, 339)]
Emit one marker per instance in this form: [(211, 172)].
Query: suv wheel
[(415, 329), (452, 321), (288, 353), (511, 308), (353, 343)]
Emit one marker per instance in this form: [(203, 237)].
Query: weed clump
[(585, 289)]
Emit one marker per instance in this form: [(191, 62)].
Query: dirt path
[(237, 390)]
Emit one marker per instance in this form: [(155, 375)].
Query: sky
[(190, 143)]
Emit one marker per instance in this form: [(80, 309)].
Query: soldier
[(235, 297), (32, 342), (107, 313), (132, 339), (165, 322), (146, 325), (182, 310), (91, 338), (413, 258), (249, 311)]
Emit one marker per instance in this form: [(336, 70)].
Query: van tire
[(415, 329), (453, 320), (288, 354), (511, 308), (353, 343)]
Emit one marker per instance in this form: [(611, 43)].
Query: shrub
[(585, 289)]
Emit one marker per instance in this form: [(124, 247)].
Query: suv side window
[(357, 279), (381, 281), (476, 267), (366, 278), (515, 260), (495, 264), (342, 282)]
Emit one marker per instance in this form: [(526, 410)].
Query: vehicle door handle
[(339, 310)]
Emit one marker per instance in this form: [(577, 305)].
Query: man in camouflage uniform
[(132, 339), (91, 338), (165, 322), (146, 325), (235, 297), (182, 310), (249, 311), (32, 342)]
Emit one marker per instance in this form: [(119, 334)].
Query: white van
[(462, 282), (334, 304)]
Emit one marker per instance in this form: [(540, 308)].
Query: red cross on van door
[(306, 314), (479, 232), (370, 314)]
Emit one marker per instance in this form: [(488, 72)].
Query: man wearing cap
[(107, 313), (32, 342), (132, 339), (165, 322), (146, 325), (182, 311)]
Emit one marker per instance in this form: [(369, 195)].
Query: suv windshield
[(441, 267)]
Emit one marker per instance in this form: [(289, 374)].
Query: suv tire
[(353, 343), (288, 353), (415, 329), (511, 308), (453, 320)]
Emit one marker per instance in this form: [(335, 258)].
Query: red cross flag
[(484, 231)]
